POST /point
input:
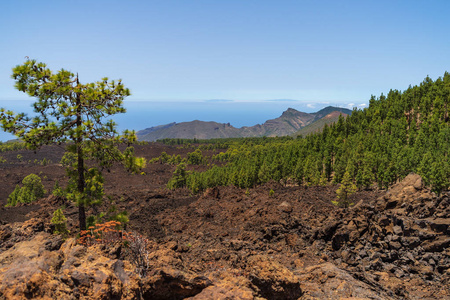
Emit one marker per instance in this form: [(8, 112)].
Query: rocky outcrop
[(401, 244), (273, 280), (44, 267), (335, 283), (48, 268)]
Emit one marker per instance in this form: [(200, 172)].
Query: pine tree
[(346, 188), (31, 190), (179, 177), (69, 111), (264, 172), (59, 220)]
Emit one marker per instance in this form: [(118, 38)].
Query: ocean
[(145, 114)]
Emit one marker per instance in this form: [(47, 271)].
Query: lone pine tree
[(346, 188), (69, 111)]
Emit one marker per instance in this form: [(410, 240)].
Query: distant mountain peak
[(290, 122)]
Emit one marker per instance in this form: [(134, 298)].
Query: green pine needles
[(79, 114), (31, 190), (57, 190), (179, 177), (346, 188), (60, 223)]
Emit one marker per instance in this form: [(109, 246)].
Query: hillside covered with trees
[(399, 133)]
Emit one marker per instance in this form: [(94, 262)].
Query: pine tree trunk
[(80, 185)]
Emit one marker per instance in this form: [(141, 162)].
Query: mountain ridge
[(290, 122)]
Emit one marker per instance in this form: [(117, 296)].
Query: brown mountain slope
[(320, 123)]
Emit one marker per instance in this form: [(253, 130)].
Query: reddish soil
[(223, 228)]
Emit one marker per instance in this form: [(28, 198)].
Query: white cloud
[(310, 105), (350, 105)]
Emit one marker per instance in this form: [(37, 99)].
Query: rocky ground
[(227, 243)]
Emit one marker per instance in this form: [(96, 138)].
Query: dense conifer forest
[(399, 133)]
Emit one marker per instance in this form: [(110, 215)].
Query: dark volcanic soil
[(229, 243)]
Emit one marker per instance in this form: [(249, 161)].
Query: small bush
[(179, 177), (57, 190), (93, 220), (132, 163), (344, 191), (105, 233), (138, 248), (59, 220), (34, 184), (196, 157), (122, 218), (13, 198), (32, 190)]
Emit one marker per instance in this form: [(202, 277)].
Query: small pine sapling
[(323, 181), (57, 190), (60, 222), (179, 177), (344, 191)]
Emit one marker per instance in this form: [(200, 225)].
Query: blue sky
[(312, 51)]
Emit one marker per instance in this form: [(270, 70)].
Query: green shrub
[(45, 162), (59, 220), (179, 177), (344, 191), (32, 190), (57, 190), (94, 219), (196, 157), (13, 198), (122, 218), (132, 163), (34, 184)]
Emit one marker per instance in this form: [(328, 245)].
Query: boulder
[(273, 280), (285, 207), (229, 286), (326, 281), (169, 283)]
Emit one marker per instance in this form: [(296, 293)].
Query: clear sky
[(243, 50)]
